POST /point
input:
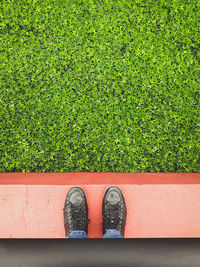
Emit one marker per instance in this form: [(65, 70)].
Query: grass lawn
[(99, 86)]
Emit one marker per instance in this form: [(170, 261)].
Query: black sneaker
[(76, 211), (114, 210)]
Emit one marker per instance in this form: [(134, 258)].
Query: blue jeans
[(112, 233)]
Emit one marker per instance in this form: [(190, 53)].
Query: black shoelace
[(79, 217), (112, 217)]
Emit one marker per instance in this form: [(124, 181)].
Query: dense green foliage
[(107, 86)]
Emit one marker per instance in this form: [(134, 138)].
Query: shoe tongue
[(76, 198), (113, 198)]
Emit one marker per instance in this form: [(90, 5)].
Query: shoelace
[(112, 218), (77, 220), (78, 216)]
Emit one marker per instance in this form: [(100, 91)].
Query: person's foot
[(114, 210), (76, 211)]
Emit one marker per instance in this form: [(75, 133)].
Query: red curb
[(158, 204), (84, 178), (36, 211)]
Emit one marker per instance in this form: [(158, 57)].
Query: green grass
[(99, 86)]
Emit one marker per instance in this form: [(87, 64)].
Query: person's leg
[(112, 233), (76, 214), (78, 234), (114, 213)]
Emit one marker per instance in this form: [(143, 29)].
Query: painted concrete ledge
[(158, 204)]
